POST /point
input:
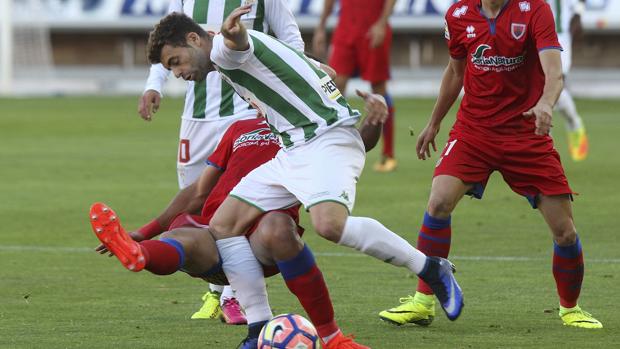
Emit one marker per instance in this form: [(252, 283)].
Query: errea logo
[(459, 11), (524, 6), (470, 31)]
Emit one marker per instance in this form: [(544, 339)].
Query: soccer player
[(319, 165), (275, 237), (211, 106), (361, 45), (507, 57), (567, 14)]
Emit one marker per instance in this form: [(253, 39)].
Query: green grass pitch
[(60, 155)]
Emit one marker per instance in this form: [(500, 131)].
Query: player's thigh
[(463, 167), (275, 237), (233, 218), (199, 246), (342, 57), (532, 168), (326, 169), (374, 63)]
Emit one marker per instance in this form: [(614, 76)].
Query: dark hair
[(171, 30)]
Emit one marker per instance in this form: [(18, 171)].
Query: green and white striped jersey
[(213, 98), (563, 11), (299, 100)]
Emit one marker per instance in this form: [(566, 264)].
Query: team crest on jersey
[(517, 30), (524, 6), (459, 11), (495, 63)]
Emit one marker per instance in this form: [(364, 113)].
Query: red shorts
[(351, 55), (529, 166), (216, 275)]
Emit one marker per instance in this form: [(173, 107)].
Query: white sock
[(330, 337), (227, 293), (216, 288), (245, 276), (371, 237), (566, 107)]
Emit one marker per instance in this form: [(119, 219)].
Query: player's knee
[(329, 227), (277, 230), (565, 235), (440, 208)]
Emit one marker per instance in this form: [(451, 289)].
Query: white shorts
[(326, 169), (198, 140), (566, 41)]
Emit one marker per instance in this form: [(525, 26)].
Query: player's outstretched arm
[(451, 85), (554, 83), (235, 34), (149, 104)]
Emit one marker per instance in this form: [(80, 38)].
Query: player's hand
[(319, 45), (376, 34), (232, 24), (543, 113), (426, 140), (101, 249), (376, 108), (149, 104)]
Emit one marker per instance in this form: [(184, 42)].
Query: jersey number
[(449, 147), (184, 151)]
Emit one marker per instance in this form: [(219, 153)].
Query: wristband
[(151, 229)]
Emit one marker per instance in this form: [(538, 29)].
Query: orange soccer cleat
[(343, 342), (109, 231)]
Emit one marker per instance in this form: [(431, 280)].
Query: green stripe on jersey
[(277, 102), (295, 82), (199, 14), (260, 16)]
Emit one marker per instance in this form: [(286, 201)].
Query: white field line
[(53, 249)]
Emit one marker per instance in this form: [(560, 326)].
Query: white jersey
[(563, 11), (299, 100), (213, 98)]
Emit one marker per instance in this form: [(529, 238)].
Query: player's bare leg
[(388, 162), (434, 240), (331, 220), (567, 259)]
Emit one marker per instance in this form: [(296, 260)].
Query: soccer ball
[(289, 331)]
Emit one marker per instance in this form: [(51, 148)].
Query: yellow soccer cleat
[(211, 308), (418, 309), (578, 144), (578, 318), (385, 165)]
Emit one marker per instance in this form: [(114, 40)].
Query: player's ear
[(193, 38)]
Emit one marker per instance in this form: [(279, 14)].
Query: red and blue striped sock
[(304, 279), (434, 240), (163, 257), (568, 272), (388, 129)]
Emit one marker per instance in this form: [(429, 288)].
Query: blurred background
[(88, 47)]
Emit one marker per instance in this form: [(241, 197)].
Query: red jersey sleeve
[(543, 29), (222, 153), (456, 48)]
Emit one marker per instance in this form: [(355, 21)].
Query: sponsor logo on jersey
[(329, 87), (470, 31), (495, 63), (517, 30), (459, 11), (524, 6), (260, 137)]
